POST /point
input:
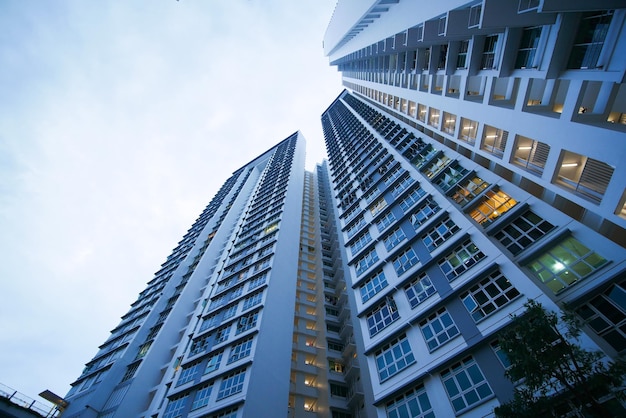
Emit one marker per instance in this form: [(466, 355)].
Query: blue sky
[(119, 120)]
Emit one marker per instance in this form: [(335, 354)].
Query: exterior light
[(524, 148), (569, 165)]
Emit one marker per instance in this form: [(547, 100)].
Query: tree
[(555, 374)]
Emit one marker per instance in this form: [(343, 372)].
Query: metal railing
[(19, 399)]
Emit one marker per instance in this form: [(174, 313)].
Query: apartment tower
[(477, 161)]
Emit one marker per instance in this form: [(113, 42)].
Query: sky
[(119, 120)]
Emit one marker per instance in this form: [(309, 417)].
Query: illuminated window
[(467, 191), (494, 140), (378, 206), (529, 154), (584, 176), (271, 228), (565, 264), (451, 176), (493, 204), (433, 117), (449, 123), (468, 130)]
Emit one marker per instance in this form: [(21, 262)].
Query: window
[(494, 140), (360, 242), (438, 329), (425, 212), (394, 174), (589, 41), (449, 123), (405, 261), (606, 315), (433, 117), (528, 48), (394, 357), (451, 176), (213, 363), (252, 300), (385, 221), (402, 186), (411, 198), (221, 334), (231, 384), (188, 373), (412, 404), (467, 191), (529, 154), (468, 130), (466, 385), (488, 60), (527, 5), (460, 259), (502, 357), (355, 226), (419, 290), (175, 406), (378, 206), (338, 390), (565, 264), (436, 166), (493, 204), (199, 345), (522, 232), (257, 281), (439, 233), (231, 413), (240, 350), (371, 195), (365, 262), (474, 16), (584, 176), (383, 315), (202, 397), (394, 238), (229, 312), (461, 60), (372, 286), (247, 322), (489, 295)]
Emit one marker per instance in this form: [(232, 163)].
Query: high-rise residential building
[(477, 162)]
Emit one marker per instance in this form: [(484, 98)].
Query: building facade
[(477, 162)]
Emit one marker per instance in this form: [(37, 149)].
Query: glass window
[(394, 357), (372, 286), (221, 334), (468, 130), (240, 350), (394, 238), (468, 191), (252, 300), (176, 406), (411, 404), (360, 242), (529, 154), (436, 166), (451, 176), (419, 290), (402, 185), (565, 264), (202, 397), (493, 204), (247, 322), (378, 206), (462, 258), (213, 363), (383, 315), (439, 233), (231, 384), (365, 262), (465, 384), (405, 261), (494, 140), (488, 60), (438, 329), (489, 295), (606, 315), (188, 373), (385, 221), (414, 196), (425, 212), (590, 38), (584, 176), (522, 232), (528, 48)]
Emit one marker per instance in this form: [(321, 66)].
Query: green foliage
[(556, 375)]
